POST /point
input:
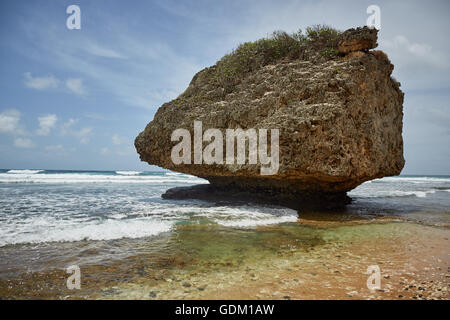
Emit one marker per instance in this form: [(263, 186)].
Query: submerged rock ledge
[(238, 195), (337, 108)]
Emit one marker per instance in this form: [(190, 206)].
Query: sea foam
[(21, 177), (25, 171), (143, 219), (129, 173)]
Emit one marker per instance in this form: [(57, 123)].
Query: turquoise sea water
[(48, 205), (52, 218)]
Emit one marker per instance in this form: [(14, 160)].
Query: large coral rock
[(358, 39), (340, 122)]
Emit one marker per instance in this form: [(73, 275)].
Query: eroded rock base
[(297, 201)]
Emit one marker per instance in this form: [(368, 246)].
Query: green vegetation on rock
[(250, 56)]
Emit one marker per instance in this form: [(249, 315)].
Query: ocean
[(50, 219)]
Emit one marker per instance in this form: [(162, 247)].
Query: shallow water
[(127, 240)]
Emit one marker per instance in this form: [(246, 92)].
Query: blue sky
[(75, 99)]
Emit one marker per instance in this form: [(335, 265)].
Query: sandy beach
[(326, 262)]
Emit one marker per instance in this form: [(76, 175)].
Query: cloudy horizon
[(76, 99)]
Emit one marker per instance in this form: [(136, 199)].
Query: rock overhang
[(340, 120)]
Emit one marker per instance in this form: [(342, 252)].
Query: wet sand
[(316, 258)]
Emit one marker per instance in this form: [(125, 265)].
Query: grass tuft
[(250, 56)]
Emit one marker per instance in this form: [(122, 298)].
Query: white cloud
[(82, 134), (59, 150), (65, 128), (118, 140), (40, 83), (23, 143), (10, 124), (414, 52), (75, 85), (122, 149), (58, 147), (104, 151), (9, 121), (147, 63), (100, 51), (46, 123), (164, 95), (95, 116), (126, 151)]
